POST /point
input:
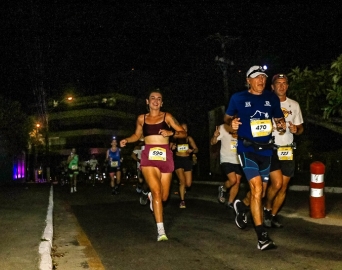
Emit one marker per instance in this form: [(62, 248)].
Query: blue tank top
[(115, 157), (153, 129)]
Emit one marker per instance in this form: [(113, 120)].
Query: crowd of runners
[(257, 143)]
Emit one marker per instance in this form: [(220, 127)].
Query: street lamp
[(36, 152), (55, 104)]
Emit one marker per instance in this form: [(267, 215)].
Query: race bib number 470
[(260, 128), (157, 153)]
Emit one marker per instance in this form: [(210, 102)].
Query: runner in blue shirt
[(250, 113), (114, 159)]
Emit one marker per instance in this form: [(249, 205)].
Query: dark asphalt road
[(202, 236)]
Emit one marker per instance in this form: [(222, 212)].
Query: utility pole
[(223, 60), (48, 111)]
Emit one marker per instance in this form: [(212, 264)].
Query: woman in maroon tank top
[(156, 159)]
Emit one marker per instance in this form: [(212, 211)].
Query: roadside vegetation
[(319, 91)]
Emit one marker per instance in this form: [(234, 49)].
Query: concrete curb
[(293, 188), (46, 240)]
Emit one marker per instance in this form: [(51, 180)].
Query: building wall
[(89, 123)]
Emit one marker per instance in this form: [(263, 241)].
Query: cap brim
[(257, 74)]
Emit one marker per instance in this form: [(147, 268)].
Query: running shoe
[(143, 198), (182, 204), (138, 189), (150, 198), (72, 190), (221, 194), (275, 222), (267, 218), (162, 237), (265, 242), (230, 205), (240, 218), (75, 189)]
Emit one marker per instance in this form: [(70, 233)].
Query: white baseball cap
[(255, 71)]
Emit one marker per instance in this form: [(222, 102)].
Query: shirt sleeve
[(231, 109), (298, 116), (221, 130)]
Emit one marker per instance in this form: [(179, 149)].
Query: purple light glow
[(19, 167)]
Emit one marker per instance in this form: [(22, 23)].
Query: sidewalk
[(297, 203), (23, 211)]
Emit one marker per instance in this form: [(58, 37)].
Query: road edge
[(46, 239)]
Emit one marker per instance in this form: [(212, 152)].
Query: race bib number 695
[(157, 153)]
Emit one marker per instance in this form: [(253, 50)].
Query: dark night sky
[(61, 42)]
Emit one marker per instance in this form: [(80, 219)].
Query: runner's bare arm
[(179, 131), (137, 134), (193, 145)]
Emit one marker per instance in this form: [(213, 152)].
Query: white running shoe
[(162, 237)]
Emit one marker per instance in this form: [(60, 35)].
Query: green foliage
[(36, 138), (306, 88), (14, 127), (319, 89), (334, 96)]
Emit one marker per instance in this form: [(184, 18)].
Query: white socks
[(160, 228)]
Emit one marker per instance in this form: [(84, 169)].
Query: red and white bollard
[(317, 197)]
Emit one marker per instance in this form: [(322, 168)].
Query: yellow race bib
[(182, 147), (233, 146), (285, 153), (260, 128), (114, 163), (157, 153)]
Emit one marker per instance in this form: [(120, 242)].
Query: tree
[(320, 90), (14, 127), (309, 87), (334, 96)]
